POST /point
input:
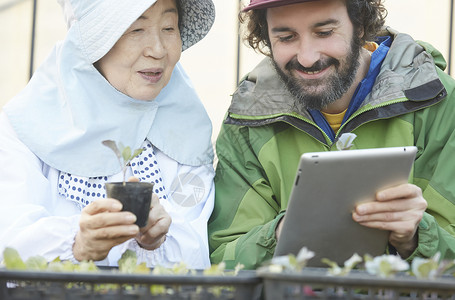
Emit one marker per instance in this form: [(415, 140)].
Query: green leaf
[(57, 259), (385, 268), (127, 263), (215, 269), (157, 289), (142, 269), (58, 266), (37, 263), (13, 260), (293, 260), (137, 152), (329, 262), (121, 146), (367, 258), (126, 154), (160, 270), (86, 266), (180, 268), (111, 144)]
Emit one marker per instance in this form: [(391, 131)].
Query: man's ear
[(361, 32)]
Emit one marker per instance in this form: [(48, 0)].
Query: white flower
[(304, 255), (345, 141), (424, 267), (430, 268), (335, 270), (386, 265), (291, 262), (283, 261), (353, 261), (275, 269)]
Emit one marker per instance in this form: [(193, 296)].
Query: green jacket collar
[(408, 73)]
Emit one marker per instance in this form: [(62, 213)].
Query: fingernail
[(133, 229), (360, 210), (130, 218), (356, 217), (116, 206)]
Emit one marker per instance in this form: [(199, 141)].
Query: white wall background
[(211, 63)]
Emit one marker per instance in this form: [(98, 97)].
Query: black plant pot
[(135, 197)]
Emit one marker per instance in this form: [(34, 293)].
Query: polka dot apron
[(83, 190)]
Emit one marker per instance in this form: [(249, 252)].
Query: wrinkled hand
[(153, 234), (398, 209), (102, 226)]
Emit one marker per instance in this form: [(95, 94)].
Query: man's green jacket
[(264, 134)]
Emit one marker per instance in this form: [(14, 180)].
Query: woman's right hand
[(102, 226)]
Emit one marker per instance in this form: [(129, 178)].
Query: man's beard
[(306, 91)]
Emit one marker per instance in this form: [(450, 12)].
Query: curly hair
[(366, 15)]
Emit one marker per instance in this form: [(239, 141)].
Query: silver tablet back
[(326, 189)]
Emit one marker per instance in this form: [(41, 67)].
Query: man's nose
[(308, 53)]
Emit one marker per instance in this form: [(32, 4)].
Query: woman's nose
[(154, 48)]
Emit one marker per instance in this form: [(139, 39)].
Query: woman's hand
[(153, 234), (102, 226), (398, 209)]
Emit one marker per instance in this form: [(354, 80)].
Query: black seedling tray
[(112, 285)]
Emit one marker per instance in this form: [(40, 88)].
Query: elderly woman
[(115, 76)]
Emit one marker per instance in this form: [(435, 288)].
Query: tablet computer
[(326, 188)]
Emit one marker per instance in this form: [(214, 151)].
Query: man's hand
[(102, 226), (398, 209), (153, 234)]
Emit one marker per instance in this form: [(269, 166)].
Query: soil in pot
[(135, 197)]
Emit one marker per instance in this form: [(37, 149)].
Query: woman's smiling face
[(141, 62)]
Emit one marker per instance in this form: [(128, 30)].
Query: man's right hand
[(102, 226)]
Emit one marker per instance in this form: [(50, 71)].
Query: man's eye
[(137, 30), (325, 33), (169, 29), (286, 38)]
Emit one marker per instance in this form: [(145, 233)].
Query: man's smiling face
[(314, 50)]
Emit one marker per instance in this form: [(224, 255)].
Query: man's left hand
[(398, 209)]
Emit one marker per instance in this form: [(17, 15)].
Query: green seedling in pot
[(124, 154)]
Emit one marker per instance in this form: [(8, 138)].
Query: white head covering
[(68, 108)]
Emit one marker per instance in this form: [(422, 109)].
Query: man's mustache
[(293, 64)]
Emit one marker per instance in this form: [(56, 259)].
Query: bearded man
[(332, 68)]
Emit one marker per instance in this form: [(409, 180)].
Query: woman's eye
[(169, 29), (137, 30)]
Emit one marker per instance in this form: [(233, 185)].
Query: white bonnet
[(102, 22)]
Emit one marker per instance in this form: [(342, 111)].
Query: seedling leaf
[(123, 154), (13, 260), (137, 152), (37, 263), (111, 144), (126, 154)]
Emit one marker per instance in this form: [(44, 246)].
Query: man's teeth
[(312, 73)]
